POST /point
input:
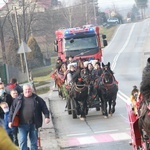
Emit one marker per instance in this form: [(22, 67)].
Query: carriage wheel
[(69, 107), (73, 109)]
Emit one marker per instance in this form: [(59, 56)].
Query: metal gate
[(3, 74)]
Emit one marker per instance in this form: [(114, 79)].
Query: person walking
[(13, 85), (4, 97), (5, 108), (14, 95), (30, 108)]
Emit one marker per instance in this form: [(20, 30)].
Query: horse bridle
[(77, 89), (107, 85)]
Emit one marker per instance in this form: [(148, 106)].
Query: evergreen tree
[(34, 58)]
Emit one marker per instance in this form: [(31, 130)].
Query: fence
[(3, 75)]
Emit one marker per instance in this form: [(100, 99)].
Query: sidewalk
[(47, 133)]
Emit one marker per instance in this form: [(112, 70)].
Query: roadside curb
[(48, 136)]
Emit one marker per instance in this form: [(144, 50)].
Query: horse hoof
[(110, 115), (105, 117), (78, 116), (81, 118)]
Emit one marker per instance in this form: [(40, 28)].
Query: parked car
[(113, 20)]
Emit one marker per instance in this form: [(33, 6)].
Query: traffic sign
[(24, 48)]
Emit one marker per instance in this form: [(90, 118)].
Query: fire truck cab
[(80, 42)]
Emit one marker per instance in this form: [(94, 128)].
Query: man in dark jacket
[(29, 108), (13, 85)]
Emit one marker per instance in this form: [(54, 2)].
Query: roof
[(40, 3)]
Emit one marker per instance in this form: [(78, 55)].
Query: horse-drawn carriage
[(86, 92), (139, 112)]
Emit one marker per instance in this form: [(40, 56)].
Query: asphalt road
[(127, 54)]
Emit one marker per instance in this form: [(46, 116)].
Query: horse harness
[(107, 86), (79, 87)]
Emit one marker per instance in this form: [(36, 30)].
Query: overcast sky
[(117, 2), (1, 3), (104, 2)]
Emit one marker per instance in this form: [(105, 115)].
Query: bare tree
[(142, 5)]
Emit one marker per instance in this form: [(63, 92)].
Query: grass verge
[(42, 90), (109, 32)]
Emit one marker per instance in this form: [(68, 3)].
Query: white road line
[(106, 131), (127, 97), (122, 49), (76, 134), (124, 99), (120, 94), (124, 117), (114, 36)]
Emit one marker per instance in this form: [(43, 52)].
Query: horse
[(144, 106), (79, 93), (144, 120), (106, 67), (108, 88)]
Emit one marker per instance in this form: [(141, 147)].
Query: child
[(5, 108)]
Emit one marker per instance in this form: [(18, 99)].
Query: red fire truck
[(80, 42)]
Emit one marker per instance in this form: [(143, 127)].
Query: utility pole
[(24, 19), (19, 40), (86, 15), (95, 18), (2, 42)]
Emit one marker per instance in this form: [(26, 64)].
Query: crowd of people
[(21, 115), (71, 68)]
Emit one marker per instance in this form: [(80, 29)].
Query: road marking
[(122, 49), (120, 94), (114, 35), (87, 140), (106, 131), (124, 97), (120, 136), (99, 138), (126, 119), (76, 134)]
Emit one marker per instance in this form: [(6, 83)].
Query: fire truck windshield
[(78, 43)]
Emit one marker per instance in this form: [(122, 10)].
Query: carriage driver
[(71, 71)]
